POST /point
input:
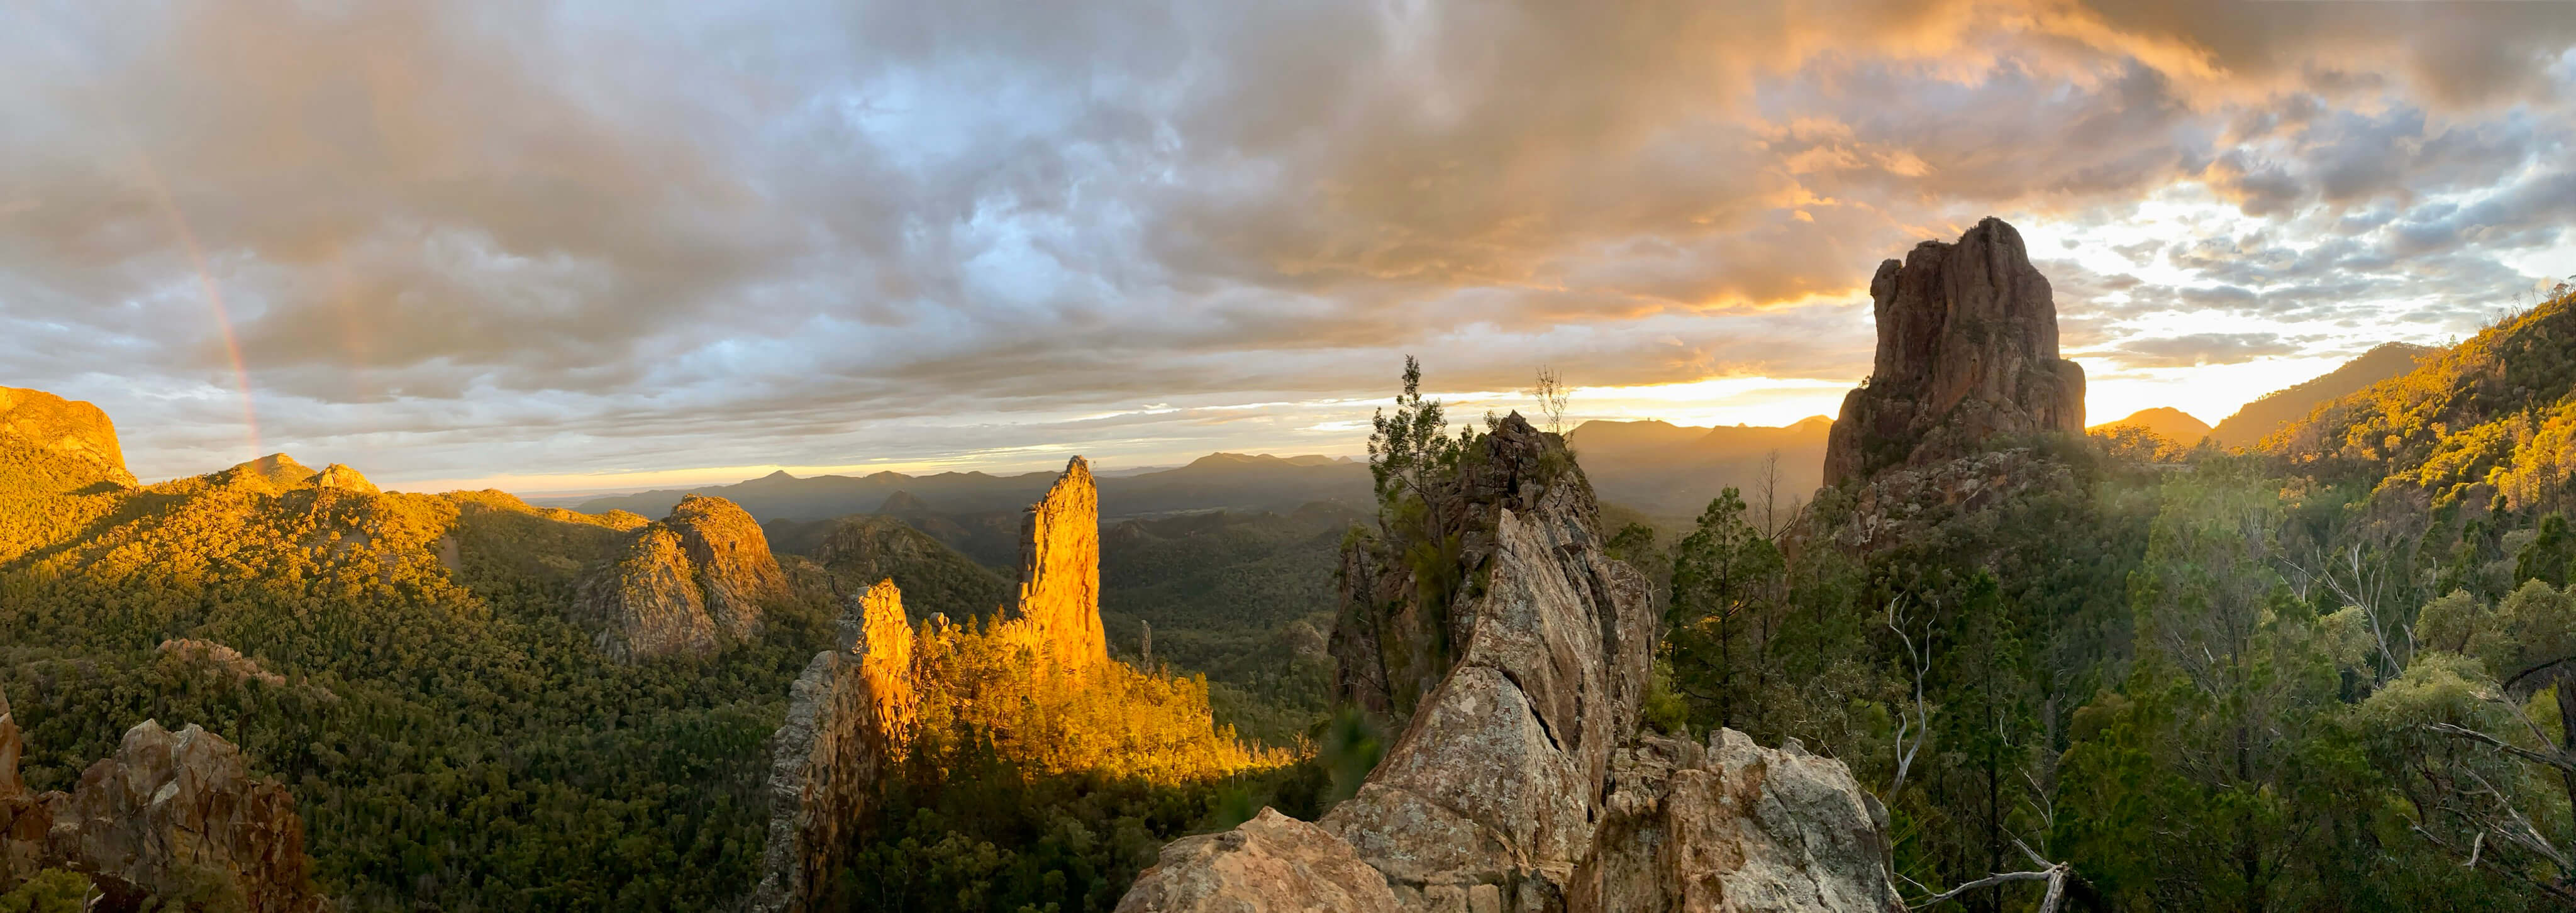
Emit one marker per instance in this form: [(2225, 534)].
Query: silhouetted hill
[(1666, 471), (2279, 408), (2165, 421)]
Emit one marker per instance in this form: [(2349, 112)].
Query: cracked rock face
[(849, 717), (683, 584), (169, 813), (1967, 349), (1520, 781)]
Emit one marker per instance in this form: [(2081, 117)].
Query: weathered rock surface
[(682, 584), (1737, 827), (1058, 609), (1967, 349), (849, 716), (1271, 863), (51, 445), (168, 813), (1520, 781)]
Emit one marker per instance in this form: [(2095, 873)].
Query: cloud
[(2203, 349), (613, 236)]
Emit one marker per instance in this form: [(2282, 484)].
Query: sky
[(565, 246)]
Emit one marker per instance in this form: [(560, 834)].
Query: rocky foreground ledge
[(1521, 781)]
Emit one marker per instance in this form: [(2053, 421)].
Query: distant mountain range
[(1672, 471), (1218, 481)]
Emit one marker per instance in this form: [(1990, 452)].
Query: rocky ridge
[(1967, 350), (168, 814), (849, 716), (1521, 780), (51, 445), (682, 584)]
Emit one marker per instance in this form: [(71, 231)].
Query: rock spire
[(1967, 349), (1058, 609)]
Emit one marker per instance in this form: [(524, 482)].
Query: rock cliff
[(51, 445), (168, 814), (849, 716), (1967, 349), (681, 584), (1058, 609), (1520, 781)]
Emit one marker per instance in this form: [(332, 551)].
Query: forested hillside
[(2328, 675)]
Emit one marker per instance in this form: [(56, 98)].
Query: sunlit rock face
[(1520, 781), (849, 717), (170, 814), (1058, 609), (683, 584), (1967, 349), (51, 445)]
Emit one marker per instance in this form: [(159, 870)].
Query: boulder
[(1967, 349), (171, 814), (1271, 863)]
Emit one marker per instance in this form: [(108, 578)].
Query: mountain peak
[(2166, 422), (69, 444)]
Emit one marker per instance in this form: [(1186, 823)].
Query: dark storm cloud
[(598, 235)]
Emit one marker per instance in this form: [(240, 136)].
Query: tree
[(1550, 392), (1726, 577)]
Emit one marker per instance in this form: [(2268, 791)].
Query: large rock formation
[(1967, 349), (1520, 781), (849, 717), (683, 583), (1058, 610), (170, 814), (51, 445)]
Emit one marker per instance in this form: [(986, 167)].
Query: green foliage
[(50, 891)]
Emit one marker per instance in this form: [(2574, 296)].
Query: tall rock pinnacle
[(1059, 601), (1967, 349)]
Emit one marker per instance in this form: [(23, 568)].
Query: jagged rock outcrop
[(681, 584), (340, 476), (169, 813), (1520, 781), (1737, 827), (849, 716), (52, 445), (1967, 349), (1058, 609), (1272, 862)]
